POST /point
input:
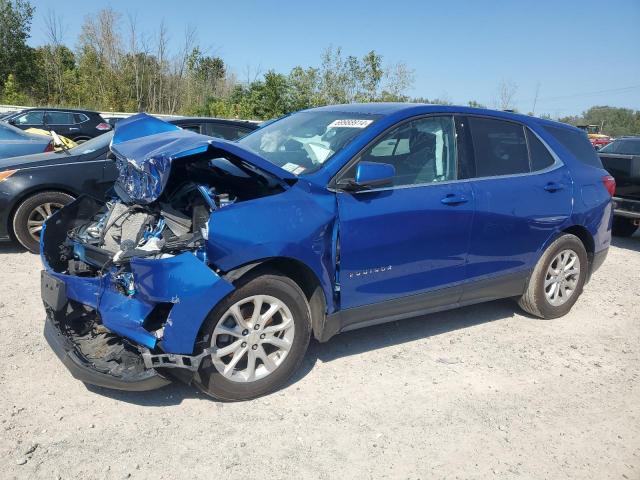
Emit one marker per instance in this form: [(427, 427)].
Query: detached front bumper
[(85, 371)]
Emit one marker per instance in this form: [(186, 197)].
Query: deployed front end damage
[(127, 284)]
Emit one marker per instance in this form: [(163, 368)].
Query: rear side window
[(500, 147), (228, 132), (60, 118), (577, 143), (191, 128), (540, 156), (80, 117)]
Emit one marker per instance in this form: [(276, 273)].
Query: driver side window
[(421, 151)]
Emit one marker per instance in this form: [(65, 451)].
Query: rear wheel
[(31, 215), (557, 280), (623, 227), (258, 336)]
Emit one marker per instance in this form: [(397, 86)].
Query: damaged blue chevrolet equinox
[(214, 261)]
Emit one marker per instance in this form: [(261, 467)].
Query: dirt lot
[(481, 392)]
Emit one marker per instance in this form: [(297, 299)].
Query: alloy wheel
[(561, 279), (38, 216), (252, 338)]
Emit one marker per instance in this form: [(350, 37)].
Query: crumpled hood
[(145, 148)]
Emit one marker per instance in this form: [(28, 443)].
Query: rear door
[(523, 194), (63, 123), (411, 237)]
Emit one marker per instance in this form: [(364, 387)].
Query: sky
[(574, 53)]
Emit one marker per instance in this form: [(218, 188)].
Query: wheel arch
[(585, 237), (583, 234), (24, 195), (297, 271)]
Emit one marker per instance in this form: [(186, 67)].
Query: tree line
[(114, 66)]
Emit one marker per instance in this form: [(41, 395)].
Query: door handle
[(454, 199), (553, 187)]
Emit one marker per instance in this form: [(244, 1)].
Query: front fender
[(187, 283)]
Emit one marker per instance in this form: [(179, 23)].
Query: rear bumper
[(84, 370), (624, 207)]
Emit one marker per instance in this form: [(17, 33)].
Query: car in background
[(33, 187), (216, 127), (596, 137), (113, 119), (621, 158), (15, 142), (78, 125), (4, 115), (60, 142), (219, 260)]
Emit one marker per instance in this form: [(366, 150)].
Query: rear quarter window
[(577, 143)]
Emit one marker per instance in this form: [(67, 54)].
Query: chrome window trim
[(556, 165)]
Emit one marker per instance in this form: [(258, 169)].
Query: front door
[(412, 236)]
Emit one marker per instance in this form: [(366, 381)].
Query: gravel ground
[(480, 392)]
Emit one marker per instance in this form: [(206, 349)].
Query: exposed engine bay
[(177, 222)]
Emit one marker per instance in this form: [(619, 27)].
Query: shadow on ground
[(346, 344), (629, 243), (11, 247)]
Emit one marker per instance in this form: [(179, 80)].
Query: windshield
[(301, 143), (90, 146), (625, 146)]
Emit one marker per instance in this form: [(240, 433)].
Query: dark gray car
[(15, 142)]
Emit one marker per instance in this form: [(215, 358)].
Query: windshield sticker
[(350, 123), (291, 167), (298, 170)]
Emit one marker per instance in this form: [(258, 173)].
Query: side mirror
[(11, 121), (369, 175)]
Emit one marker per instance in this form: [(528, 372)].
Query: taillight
[(103, 126), (610, 184), (50, 147)]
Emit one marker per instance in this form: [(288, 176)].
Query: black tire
[(213, 383), (28, 208), (534, 299), (623, 227)]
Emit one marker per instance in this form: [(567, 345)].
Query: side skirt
[(479, 291)]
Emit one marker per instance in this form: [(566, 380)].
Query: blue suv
[(215, 261)]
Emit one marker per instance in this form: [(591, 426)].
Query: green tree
[(11, 94), (614, 121), (16, 57)]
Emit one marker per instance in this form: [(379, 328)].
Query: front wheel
[(557, 279), (31, 215), (258, 337)]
